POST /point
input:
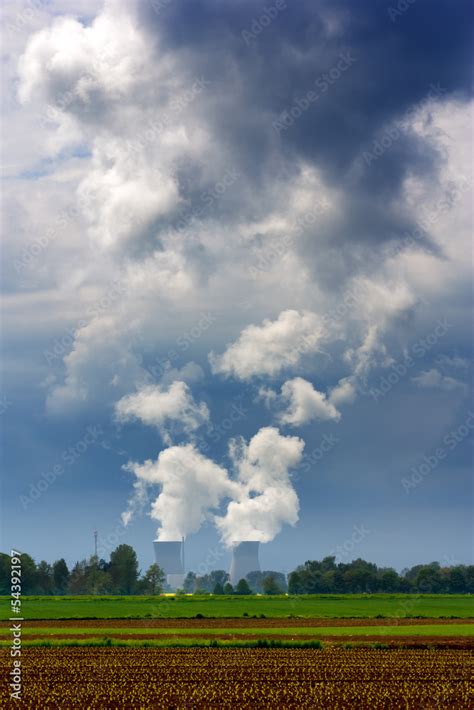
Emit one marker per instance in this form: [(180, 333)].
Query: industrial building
[(169, 557), (244, 560)]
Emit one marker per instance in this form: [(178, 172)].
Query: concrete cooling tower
[(169, 557), (244, 560)]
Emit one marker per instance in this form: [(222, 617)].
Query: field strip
[(412, 630), (235, 607), (443, 643), (243, 622)]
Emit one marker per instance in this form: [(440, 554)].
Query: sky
[(237, 279)]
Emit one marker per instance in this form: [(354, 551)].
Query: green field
[(422, 630), (305, 606)]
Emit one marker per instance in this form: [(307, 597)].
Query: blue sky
[(237, 280)]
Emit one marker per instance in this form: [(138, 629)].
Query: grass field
[(305, 606)]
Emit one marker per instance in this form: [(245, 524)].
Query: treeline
[(327, 577), (218, 582), (359, 576), (120, 575)]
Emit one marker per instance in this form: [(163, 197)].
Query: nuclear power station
[(244, 560), (169, 557)]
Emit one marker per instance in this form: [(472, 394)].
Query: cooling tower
[(244, 560), (169, 557)]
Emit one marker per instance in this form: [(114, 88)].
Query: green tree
[(124, 569), (60, 576), (328, 564), (360, 576), (5, 574), (270, 586), (78, 578), (97, 580), (45, 578), (218, 576), (29, 575), (243, 587), (388, 580), (429, 579), (218, 588), (200, 586), (189, 582), (255, 580), (228, 588), (154, 580), (296, 582), (457, 580), (328, 581)]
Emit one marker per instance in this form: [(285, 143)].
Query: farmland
[(302, 606), (243, 678), (380, 651), (435, 633)]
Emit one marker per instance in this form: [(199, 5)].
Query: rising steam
[(260, 498), (191, 486)]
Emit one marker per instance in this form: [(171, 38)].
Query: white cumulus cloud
[(434, 379), (305, 403), (344, 392), (157, 406), (269, 348)]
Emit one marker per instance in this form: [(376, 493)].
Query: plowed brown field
[(241, 678)]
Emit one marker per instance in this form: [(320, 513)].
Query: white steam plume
[(191, 486), (267, 498), (262, 498)]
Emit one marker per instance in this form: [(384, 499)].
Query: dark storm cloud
[(324, 82), (396, 63)]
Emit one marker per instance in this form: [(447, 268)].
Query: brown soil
[(241, 623), (226, 679)]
